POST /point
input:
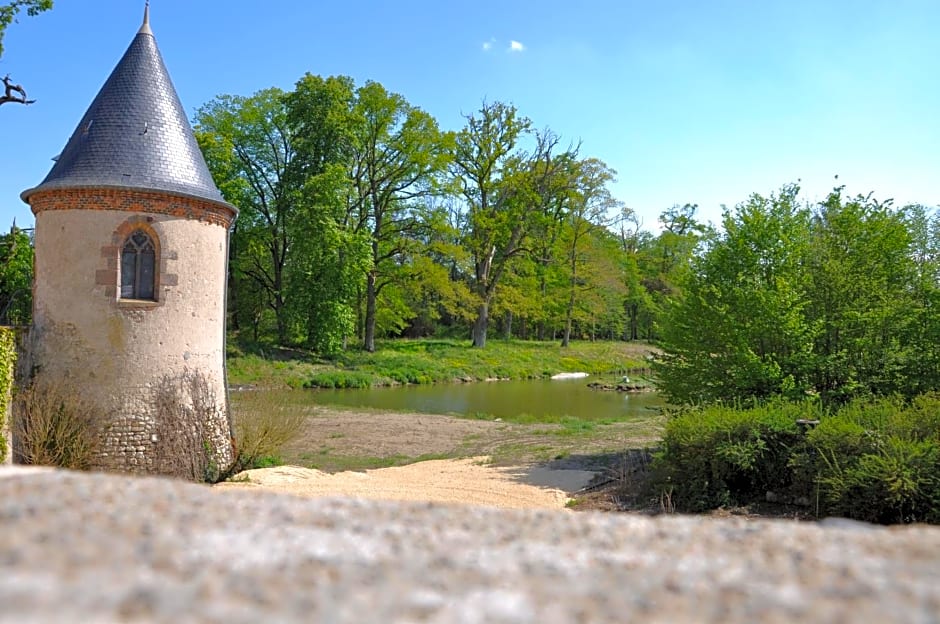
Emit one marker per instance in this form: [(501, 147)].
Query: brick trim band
[(153, 202)]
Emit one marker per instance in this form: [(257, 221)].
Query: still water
[(501, 399)]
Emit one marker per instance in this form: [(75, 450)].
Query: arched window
[(138, 260)]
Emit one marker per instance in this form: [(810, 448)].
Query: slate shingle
[(135, 134)]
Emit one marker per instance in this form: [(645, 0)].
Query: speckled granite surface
[(81, 548)]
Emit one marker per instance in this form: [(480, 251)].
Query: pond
[(542, 399)]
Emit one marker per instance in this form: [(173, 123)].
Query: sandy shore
[(463, 481)]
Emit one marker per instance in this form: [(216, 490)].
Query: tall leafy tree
[(589, 206), (482, 167), (333, 255), (249, 147), (859, 293), (546, 252), (836, 301), (920, 358), (502, 188), (738, 330), (397, 158), (662, 262), (638, 304)]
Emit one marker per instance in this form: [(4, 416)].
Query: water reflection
[(500, 399)]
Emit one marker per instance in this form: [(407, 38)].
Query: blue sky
[(701, 101)]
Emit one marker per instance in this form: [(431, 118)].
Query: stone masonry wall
[(79, 547)]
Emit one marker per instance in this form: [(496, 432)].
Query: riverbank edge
[(423, 361)]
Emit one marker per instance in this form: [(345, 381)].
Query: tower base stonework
[(154, 368)]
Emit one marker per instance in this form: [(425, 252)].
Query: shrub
[(7, 367), (263, 425), (897, 483), (187, 426), (876, 461), (54, 426), (880, 461), (722, 456)]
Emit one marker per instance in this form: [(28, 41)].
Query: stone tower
[(131, 243)]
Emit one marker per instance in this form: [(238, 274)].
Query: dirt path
[(480, 462), (465, 481)]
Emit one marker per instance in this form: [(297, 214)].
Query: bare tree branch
[(13, 93)]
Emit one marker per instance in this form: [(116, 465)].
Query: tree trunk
[(369, 342), (279, 314), (509, 325), (479, 326), (360, 316), (566, 336), (569, 312)]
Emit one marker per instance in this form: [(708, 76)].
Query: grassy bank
[(432, 361)]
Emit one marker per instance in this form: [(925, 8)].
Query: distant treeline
[(360, 218)]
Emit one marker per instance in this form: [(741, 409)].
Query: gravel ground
[(467, 481), (103, 548)]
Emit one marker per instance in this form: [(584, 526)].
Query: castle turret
[(131, 242)]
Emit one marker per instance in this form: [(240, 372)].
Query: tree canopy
[(359, 217), (835, 301)]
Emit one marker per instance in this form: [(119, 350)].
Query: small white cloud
[(516, 46), (488, 45)]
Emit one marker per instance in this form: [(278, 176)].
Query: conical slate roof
[(135, 134)]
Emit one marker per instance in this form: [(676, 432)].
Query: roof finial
[(145, 27)]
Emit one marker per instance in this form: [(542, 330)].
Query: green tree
[(638, 304), (663, 262), (859, 267), (546, 302), (482, 165), (333, 253), (8, 12), (16, 277), (249, 147), (398, 156), (920, 358), (435, 295), (738, 329), (502, 187), (590, 203), (836, 301)]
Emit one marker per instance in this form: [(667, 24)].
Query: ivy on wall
[(7, 366)]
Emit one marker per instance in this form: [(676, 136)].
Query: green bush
[(880, 461), (876, 461), (720, 455), (7, 364)]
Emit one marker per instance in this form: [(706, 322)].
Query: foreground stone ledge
[(103, 548)]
